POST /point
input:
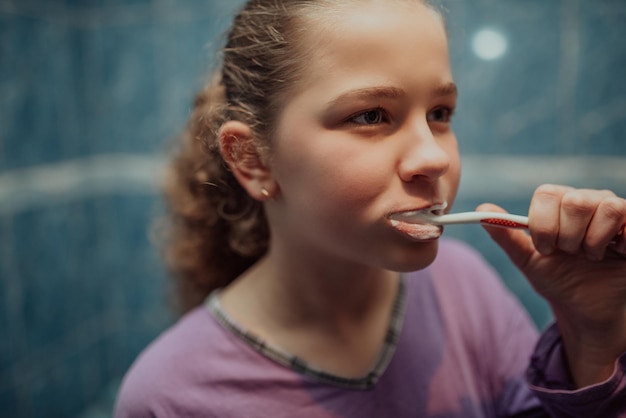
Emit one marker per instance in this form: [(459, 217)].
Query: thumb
[(516, 243)]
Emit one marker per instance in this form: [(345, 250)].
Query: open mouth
[(409, 225), (413, 216)]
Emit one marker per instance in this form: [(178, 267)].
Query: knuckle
[(577, 203), (549, 190), (613, 208), (608, 193)]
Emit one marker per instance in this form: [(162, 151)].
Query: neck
[(332, 291), (313, 291), (331, 313)]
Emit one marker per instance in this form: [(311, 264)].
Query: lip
[(418, 232)]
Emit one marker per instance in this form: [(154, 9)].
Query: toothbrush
[(504, 220)]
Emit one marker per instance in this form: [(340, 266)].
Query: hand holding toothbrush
[(575, 257)]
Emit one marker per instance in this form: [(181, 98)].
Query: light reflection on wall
[(489, 44)]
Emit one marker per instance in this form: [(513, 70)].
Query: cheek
[(332, 167), (351, 177)]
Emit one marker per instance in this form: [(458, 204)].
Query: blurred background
[(92, 91)]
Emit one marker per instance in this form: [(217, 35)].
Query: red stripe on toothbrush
[(504, 223)]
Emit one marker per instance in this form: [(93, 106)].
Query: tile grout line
[(40, 186), (107, 174)]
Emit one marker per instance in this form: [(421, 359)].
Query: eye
[(369, 117), (441, 114)]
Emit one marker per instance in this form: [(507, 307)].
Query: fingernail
[(595, 256)]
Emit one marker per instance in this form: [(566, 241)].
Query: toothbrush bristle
[(503, 223)]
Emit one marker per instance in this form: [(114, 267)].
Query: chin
[(418, 257)]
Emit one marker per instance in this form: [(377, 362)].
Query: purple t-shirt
[(459, 346)]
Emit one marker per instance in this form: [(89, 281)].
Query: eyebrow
[(368, 93), (448, 89)]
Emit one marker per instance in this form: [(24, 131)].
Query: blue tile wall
[(82, 288), (39, 53), (522, 80), (556, 91), (90, 296)]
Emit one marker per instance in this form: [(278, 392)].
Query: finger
[(577, 209), (515, 242), (543, 216), (619, 242), (606, 227)]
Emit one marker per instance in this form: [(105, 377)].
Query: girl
[(328, 120)]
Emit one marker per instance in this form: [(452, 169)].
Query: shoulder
[(168, 366), (187, 337)]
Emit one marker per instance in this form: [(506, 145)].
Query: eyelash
[(447, 118), (383, 117)]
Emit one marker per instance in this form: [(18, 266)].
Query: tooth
[(438, 209)]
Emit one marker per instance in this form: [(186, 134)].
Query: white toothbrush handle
[(475, 217)]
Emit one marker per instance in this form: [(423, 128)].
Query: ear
[(242, 154)]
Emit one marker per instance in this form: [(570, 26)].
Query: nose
[(424, 155)]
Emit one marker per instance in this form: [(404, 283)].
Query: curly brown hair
[(215, 230)]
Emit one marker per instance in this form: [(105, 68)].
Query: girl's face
[(367, 134)]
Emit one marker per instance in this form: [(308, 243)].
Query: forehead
[(380, 37)]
